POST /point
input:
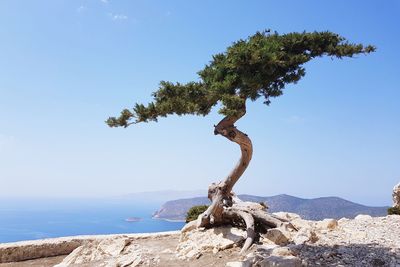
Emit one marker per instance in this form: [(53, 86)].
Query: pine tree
[(259, 66)]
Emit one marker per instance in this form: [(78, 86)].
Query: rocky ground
[(363, 241)]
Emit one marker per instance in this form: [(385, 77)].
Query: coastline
[(168, 220)]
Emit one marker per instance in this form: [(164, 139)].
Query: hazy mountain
[(311, 209)]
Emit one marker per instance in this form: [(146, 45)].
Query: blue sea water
[(29, 219)]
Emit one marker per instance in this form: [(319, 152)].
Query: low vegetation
[(194, 212), (394, 211)]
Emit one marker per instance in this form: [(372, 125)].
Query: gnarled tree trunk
[(224, 208), (221, 194)]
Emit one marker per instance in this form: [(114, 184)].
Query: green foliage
[(194, 212), (394, 211), (260, 65)]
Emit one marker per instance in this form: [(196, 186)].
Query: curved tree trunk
[(223, 208), (220, 194)]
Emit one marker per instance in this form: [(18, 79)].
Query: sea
[(31, 219)]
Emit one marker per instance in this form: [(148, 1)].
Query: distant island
[(310, 209), (133, 219)]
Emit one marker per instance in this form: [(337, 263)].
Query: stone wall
[(28, 250)]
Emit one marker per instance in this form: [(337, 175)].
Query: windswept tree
[(259, 66)]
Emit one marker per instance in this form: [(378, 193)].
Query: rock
[(266, 247), (198, 241), (276, 261), (287, 215), (109, 252), (273, 255), (396, 196), (299, 223), (34, 249), (51, 247), (328, 224), (167, 251), (238, 264), (277, 236), (281, 251), (343, 220), (363, 217), (305, 235)]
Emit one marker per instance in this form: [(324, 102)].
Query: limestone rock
[(277, 236), (26, 250), (282, 251), (273, 255), (239, 264), (363, 217), (110, 252), (276, 261), (343, 220), (396, 196), (287, 215), (194, 243), (305, 235), (327, 224), (299, 223)]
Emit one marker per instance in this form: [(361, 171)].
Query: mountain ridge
[(312, 209)]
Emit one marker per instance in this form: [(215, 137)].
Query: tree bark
[(220, 194), (224, 209)]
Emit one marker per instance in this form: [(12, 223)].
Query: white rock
[(343, 220), (287, 215), (300, 223), (108, 252), (238, 264), (276, 261), (363, 217), (305, 235), (328, 224), (267, 247), (281, 251), (167, 251), (277, 236), (199, 241)]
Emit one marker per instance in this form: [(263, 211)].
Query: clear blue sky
[(65, 66)]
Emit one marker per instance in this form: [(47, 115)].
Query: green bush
[(194, 212), (394, 211)]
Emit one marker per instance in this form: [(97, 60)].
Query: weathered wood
[(220, 194), (248, 220)]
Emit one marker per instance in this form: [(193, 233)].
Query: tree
[(259, 66), (194, 212)]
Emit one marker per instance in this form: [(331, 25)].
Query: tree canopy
[(259, 66)]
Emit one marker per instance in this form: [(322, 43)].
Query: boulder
[(305, 235), (110, 252), (299, 223), (282, 251), (277, 261), (277, 236), (327, 224), (286, 215), (343, 220), (272, 255), (239, 264), (196, 242), (363, 217)]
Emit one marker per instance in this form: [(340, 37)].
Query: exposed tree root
[(248, 215), (248, 220), (225, 208)]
